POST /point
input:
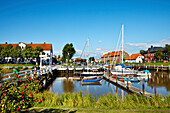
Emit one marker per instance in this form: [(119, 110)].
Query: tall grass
[(110, 101)]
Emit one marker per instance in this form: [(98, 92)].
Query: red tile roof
[(133, 56), (113, 53), (44, 45), (14, 45), (78, 58)]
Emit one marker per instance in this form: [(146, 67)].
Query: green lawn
[(156, 64)]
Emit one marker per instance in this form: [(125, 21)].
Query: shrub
[(15, 98)]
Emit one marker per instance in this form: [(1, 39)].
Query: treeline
[(27, 53)]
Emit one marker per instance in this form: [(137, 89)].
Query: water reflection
[(68, 85), (160, 79)]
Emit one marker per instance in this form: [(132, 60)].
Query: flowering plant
[(18, 94)]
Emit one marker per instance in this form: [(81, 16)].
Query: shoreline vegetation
[(106, 102), (28, 65)]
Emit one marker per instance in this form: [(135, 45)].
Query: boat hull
[(91, 80)]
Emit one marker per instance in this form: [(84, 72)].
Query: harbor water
[(159, 81)]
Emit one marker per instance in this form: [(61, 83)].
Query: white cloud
[(100, 41), (160, 43), (98, 49), (58, 52)]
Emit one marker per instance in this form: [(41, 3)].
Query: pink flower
[(23, 86), (20, 80), (18, 108), (35, 78), (18, 76), (31, 95), (0, 86), (25, 77), (22, 93), (35, 81), (22, 96), (30, 79), (3, 95), (40, 100), (37, 100)]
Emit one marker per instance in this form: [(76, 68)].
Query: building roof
[(154, 49), (113, 54), (78, 58), (44, 45), (133, 56)]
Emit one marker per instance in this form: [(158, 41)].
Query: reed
[(109, 101)]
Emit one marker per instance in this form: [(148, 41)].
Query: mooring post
[(116, 80), (155, 91), (148, 77), (143, 87), (127, 85)]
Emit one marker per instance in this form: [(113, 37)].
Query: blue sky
[(147, 22)]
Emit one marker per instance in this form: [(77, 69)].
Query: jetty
[(126, 86)]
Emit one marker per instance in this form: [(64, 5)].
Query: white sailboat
[(88, 73), (121, 69)]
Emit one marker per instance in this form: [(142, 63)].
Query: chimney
[(5, 42), (31, 42), (44, 42)]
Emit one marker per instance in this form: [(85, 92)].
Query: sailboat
[(88, 73), (121, 69)]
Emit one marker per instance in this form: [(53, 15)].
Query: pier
[(151, 67), (127, 87)]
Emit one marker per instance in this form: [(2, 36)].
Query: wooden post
[(127, 85), (143, 87), (155, 91), (116, 80)]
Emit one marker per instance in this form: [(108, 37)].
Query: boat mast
[(88, 55), (122, 40)]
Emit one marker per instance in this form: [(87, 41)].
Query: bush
[(15, 98)]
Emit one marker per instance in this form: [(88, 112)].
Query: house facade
[(135, 58), (47, 49), (149, 55), (114, 57)]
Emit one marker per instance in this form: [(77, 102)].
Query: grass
[(156, 64), (109, 102), (1, 65)]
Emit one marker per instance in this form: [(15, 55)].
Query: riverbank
[(107, 102), (86, 110), (149, 64)]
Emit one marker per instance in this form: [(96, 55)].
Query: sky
[(146, 23)]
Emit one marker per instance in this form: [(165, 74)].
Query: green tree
[(91, 59), (68, 52), (7, 51), (36, 53), (17, 52), (167, 50), (1, 48), (159, 54), (58, 57), (28, 52), (142, 52)]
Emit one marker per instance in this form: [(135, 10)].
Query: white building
[(47, 49), (135, 58)]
